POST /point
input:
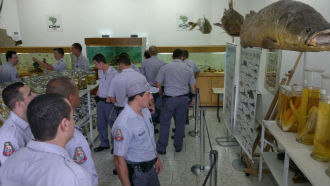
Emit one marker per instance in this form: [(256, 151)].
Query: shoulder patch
[(118, 135), (8, 149), (79, 155)]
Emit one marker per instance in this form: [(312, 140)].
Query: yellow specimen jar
[(307, 112), (321, 150), (289, 101)]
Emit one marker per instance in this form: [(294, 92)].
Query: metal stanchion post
[(201, 168), (214, 174), (195, 133)]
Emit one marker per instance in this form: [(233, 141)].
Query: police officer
[(149, 69), (104, 107), (77, 147), (117, 90), (59, 66), (135, 155), (190, 63), (8, 72), (45, 161), (176, 78), (80, 62), (16, 132)]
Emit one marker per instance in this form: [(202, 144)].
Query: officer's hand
[(158, 166), (108, 100), (192, 102)]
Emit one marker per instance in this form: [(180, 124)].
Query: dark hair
[(131, 98), (124, 59), (61, 85), (99, 58), (45, 114), (177, 53), (77, 46), (146, 54), (11, 94), (9, 54), (59, 50), (185, 53), (153, 50)]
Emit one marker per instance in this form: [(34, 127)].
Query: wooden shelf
[(209, 48), (130, 41), (39, 49)]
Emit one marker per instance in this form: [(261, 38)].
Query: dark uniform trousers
[(177, 107), (103, 111), (143, 174)]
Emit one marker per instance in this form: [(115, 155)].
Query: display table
[(219, 93), (299, 153)]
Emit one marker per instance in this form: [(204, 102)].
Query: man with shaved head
[(77, 147), (149, 69)]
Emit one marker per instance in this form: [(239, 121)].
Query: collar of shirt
[(62, 59), (177, 60), (10, 64), (132, 113), (19, 121), (128, 70), (47, 147)]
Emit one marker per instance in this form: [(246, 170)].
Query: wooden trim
[(131, 41), (34, 49), (210, 48), (211, 74)]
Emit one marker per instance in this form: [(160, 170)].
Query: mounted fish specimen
[(288, 25), (231, 21), (203, 24)]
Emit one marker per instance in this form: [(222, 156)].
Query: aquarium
[(206, 61)]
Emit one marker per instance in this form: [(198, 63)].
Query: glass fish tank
[(206, 61), (25, 63)]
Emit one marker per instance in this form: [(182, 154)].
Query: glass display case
[(206, 61), (25, 55), (112, 47)]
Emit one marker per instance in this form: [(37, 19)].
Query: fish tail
[(193, 25), (230, 3)]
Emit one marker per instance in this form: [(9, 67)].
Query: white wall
[(155, 19), (9, 18)]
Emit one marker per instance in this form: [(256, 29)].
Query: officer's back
[(175, 77), (151, 66)]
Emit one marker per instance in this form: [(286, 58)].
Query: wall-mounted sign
[(54, 23)]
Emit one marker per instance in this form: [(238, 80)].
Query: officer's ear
[(64, 125)]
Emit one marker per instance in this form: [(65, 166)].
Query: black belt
[(175, 96), (142, 166), (98, 99)]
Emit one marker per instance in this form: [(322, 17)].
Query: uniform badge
[(118, 135), (79, 156), (8, 149)]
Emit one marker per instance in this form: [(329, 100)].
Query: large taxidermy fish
[(231, 21), (204, 25), (288, 25)]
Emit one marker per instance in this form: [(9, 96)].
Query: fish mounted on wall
[(204, 25), (231, 21), (288, 25)]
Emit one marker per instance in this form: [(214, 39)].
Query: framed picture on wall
[(54, 23), (182, 22), (272, 73)]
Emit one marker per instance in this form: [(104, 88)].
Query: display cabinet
[(210, 60), (25, 55), (112, 47)]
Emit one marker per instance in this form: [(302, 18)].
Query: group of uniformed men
[(51, 147)]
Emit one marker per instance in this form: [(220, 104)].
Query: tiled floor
[(176, 166)]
